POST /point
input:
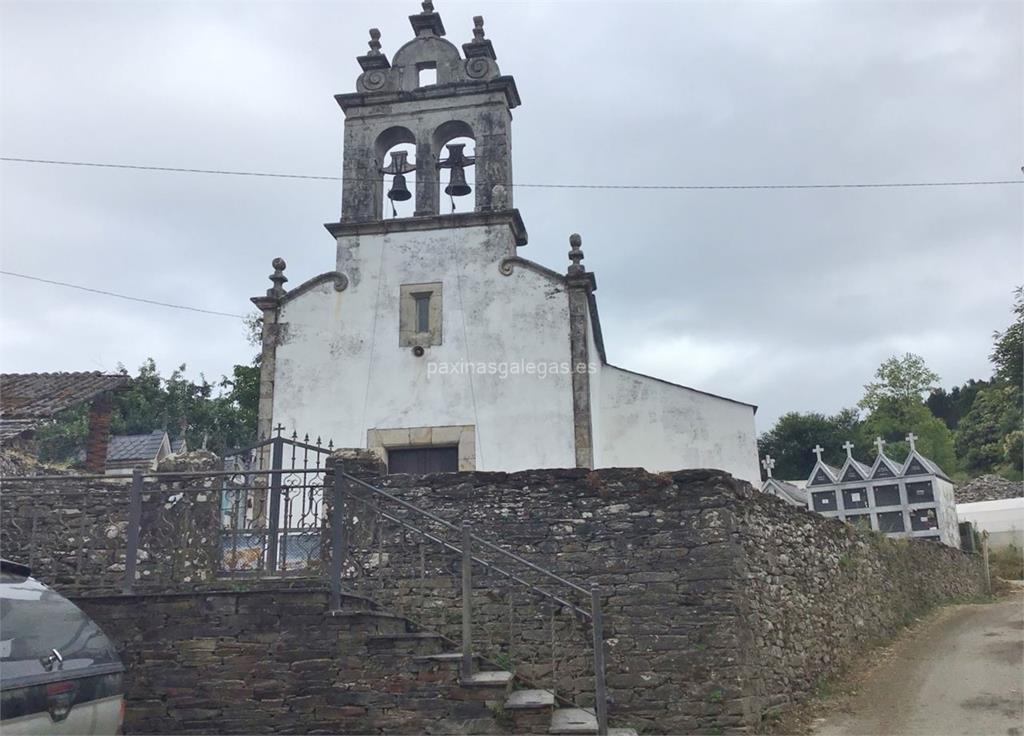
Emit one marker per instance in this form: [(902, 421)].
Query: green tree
[(905, 379), (217, 416), (790, 441), (1008, 354), (892, 420), (895, 408), (989, 437), (951, 406)]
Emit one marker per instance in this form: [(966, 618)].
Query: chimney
[(99, 433)]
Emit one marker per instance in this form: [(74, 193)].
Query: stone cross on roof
[(817, 450), (912, 438), (848, 446), (768, 463), (880, 444)]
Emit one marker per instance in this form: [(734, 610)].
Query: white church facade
[(432, 341)]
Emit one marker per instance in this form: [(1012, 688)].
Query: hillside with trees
[(969, 430)]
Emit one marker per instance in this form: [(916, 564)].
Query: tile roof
[(11, 428), (41, 395), (128, 447)]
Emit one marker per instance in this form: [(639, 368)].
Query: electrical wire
[(121, 296), (668, 187)]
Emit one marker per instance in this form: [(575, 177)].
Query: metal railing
[(175, 530), (469, 551)]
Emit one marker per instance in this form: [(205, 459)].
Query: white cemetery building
[(431, 340), (912, 499), (788, 491)]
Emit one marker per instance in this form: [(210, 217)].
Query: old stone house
[(431, 340)]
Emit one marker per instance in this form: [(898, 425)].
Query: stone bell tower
[(469, 98)]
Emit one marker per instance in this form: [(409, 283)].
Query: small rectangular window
[(419, 314), (427, 77), (422, 300)]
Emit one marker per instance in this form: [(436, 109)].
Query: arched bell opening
[(456, 170), (395, 151)]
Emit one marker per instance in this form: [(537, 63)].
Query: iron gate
[(272, 506)]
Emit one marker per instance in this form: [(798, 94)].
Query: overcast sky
[(786, 299)]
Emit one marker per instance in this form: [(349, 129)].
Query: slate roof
[(929, 465), (41, 395), (786, 491), (129, 447)]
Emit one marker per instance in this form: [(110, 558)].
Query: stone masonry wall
[(720, 602), (818, 593), (277, 661), (73, 531)]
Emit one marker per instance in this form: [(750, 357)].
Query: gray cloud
[(788, 299)]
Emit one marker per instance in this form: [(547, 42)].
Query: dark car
[(59, 673)]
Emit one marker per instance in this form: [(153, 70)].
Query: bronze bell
[(457, 186), (399, 192), (457, 162)]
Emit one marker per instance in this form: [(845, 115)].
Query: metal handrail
[(484, 563), (468, 539), (475, 538)]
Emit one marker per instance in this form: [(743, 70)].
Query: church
[(432, 341)]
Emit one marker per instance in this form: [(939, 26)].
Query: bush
[(1007, 563)]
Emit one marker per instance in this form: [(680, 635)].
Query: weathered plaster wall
[(659, 426), (341, 371)]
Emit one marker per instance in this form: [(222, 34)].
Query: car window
[(34, 621)]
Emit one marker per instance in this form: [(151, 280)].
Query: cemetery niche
[(913, 499)]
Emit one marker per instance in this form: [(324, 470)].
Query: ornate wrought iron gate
[(272, 506)]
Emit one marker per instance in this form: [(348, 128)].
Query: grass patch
[(1007, 563)]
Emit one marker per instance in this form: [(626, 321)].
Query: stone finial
[(428, 22), (277, 278), (912, 439), (374, 59), (880, 444), (479, 48), (768, 463), (576, 254), (848, 446), (817, 450), (374, 41)]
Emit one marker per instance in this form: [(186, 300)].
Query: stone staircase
[(492, 700)]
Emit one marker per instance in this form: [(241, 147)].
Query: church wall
[(341, 371), (660, 426)]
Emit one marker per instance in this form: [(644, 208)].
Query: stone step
[(529, 700), (406, 636), (493, 678), (573, 720), (580, 721)]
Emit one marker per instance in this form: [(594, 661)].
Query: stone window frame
[(462, 436), (408, 334)]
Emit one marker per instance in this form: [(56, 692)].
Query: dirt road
[(963, 673)]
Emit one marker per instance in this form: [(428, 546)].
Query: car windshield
[(34, 621)]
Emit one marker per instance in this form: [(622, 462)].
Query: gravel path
[(961, 674)]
